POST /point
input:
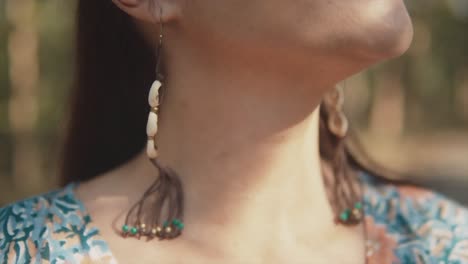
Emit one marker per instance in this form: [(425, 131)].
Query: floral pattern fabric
[(409, 224), (403, 224), (50, 228)]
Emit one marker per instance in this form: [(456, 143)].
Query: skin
[(240, 126)]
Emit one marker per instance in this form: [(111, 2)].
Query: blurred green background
[(411, 112)]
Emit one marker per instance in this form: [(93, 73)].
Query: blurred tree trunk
[(23, 105)]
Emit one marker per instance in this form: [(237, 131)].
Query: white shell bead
[(153, 94), (151, 150), (152, 125)]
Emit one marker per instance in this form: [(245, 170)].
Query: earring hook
[(158, 54), (159, 75)]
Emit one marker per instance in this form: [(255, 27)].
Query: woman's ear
[(151, 11)]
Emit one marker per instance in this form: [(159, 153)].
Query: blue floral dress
[(403, 224)]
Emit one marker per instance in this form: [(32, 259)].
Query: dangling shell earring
[(351, 211), (337, 121), (146, 218)]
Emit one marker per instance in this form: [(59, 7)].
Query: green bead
[(344, 216), (179, 225), (125, 228), (165, 224), (175, 221), (358, 205), (134, 230)]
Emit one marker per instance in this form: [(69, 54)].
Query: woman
[(247, 156)]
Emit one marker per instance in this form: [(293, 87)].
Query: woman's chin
[(389, 36)]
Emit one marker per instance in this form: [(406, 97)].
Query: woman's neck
[(242, 134), (247, 153)]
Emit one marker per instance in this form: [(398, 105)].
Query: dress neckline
[(364, 178)]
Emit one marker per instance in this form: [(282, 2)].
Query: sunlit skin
[(240, 126)]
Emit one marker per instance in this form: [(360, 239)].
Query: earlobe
[(146, 10), (127, 3), (138, 9)]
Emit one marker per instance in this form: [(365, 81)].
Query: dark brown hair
[(108, 108)]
